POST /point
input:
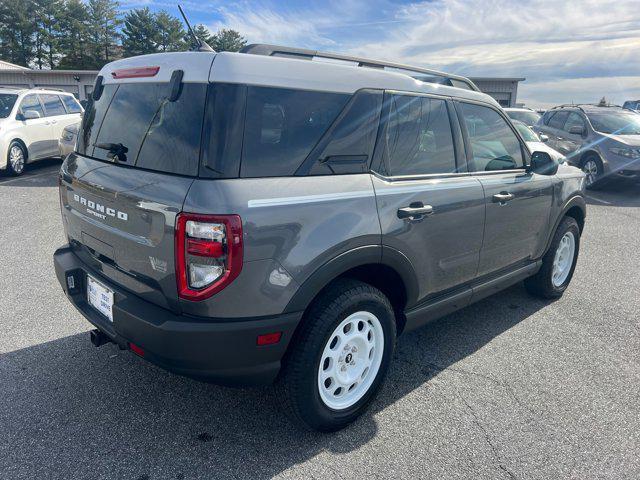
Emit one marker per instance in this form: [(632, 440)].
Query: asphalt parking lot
[(511, 387)]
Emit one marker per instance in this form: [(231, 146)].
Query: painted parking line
[(599, 200)]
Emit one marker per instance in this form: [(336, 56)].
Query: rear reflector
[(136, 349), (268, 338), (138, 72)]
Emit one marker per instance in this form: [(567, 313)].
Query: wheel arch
[(22, 144), (382, 267), (589, 153), (576, 208)]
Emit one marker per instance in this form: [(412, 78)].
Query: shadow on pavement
[(69, 410), (41, 173)]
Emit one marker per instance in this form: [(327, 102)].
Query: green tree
[(17, 31), (139, 33), (169, 33), (104, 22), (47, 16), (227, 41), (75, 39)]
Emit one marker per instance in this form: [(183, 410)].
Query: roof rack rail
[(580, 105), (305, 54)]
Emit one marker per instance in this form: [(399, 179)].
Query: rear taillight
[(208, 253)]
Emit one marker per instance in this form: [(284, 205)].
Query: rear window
[(136, 124), (282, 126)]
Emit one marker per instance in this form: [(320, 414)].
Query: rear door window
[(52, 105), (573, 120), (418, 138), (494, 145), (136, 124), (71, 104), (282, 126), (558, 120), (31, 102)]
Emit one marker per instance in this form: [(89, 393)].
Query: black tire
[(541, 284), (17, 168), (298, 384), (599, 181)]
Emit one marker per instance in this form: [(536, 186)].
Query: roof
[(283, 72), (10, 66), (591, 107), (19, 90), (305, 54)]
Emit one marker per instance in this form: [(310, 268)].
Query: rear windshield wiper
[(118, 150)]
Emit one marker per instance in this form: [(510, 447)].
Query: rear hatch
[(136, 158)]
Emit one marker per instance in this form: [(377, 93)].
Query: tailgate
[(121, 222)]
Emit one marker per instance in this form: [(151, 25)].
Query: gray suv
[(249, 218), (604, 141)]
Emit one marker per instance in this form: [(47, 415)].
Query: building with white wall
[(78, 82), (504, 90)]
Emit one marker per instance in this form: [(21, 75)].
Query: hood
[(629, 140)]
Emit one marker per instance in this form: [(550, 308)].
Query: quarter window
[(282, 126), (494, 145), (31, 102), (53, 105), (418, 138)]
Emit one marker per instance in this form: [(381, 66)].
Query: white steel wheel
[(563, 260), (351, 360)]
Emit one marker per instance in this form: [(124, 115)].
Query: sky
[(568, 50)]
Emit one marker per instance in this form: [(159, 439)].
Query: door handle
[(560, 138), (415, 211), (54, 121), (503, 197)]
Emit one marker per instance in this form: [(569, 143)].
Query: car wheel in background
[(591, 165), (340, 357), (559, 263), (16, 158)]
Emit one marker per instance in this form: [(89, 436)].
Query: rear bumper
[(216, 350)]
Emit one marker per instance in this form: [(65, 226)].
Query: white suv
[(31, 122)]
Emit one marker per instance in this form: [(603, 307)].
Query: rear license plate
[(100, 297)]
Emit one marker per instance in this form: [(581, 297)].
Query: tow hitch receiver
[(98, 338)]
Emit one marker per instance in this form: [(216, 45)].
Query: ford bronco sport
[(270, 215)]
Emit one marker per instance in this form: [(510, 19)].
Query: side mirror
[(542, 164), (576, 130), (544, 138)]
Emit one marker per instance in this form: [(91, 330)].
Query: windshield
[(619, 123), (528, 118), (528, 134), (7, 101)]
